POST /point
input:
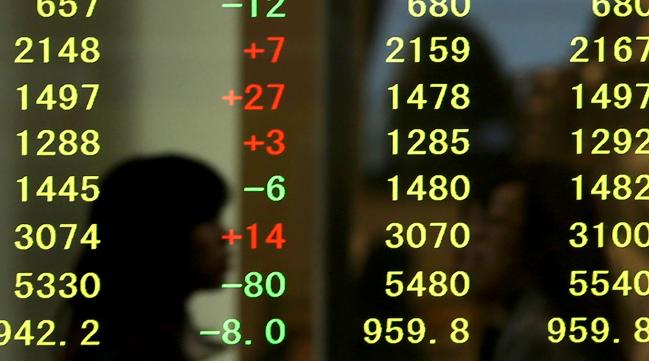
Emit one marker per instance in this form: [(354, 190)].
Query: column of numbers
[(270, 143), (39, 237), (433, 234), (605, 143)]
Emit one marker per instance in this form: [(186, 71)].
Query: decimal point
[(433, 341), (617, 340), (248, 342), (62, 343)]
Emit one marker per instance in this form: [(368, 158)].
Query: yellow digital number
[(93, 327), (597, 283), (47, 285), (70, 143), (578, 330), (622, 140), (393, 330), (66, 97), (440, 142), (89, 53), (62, 8), (40, 333), (620, 8), (440, 188), (416, 235), (623, 187), (621, 98), (623, 50), (439, 8), (459, 97), (438, 284), (89, 191), (641, 334), (45, 237), (621, 235), (441, 49)]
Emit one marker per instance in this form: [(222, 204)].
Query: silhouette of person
[(520, 261), (157, 220)]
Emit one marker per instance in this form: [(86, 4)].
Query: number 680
[(439, 8)]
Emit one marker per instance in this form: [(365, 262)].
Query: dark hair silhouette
[(145, 214)]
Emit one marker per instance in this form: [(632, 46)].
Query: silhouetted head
[(157, 220), (521, 224), (521, 219)]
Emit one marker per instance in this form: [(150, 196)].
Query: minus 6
[(275, 189)]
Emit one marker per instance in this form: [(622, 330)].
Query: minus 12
[(275, 8)]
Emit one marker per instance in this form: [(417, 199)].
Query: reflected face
[(491, 258), (209, 255)]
